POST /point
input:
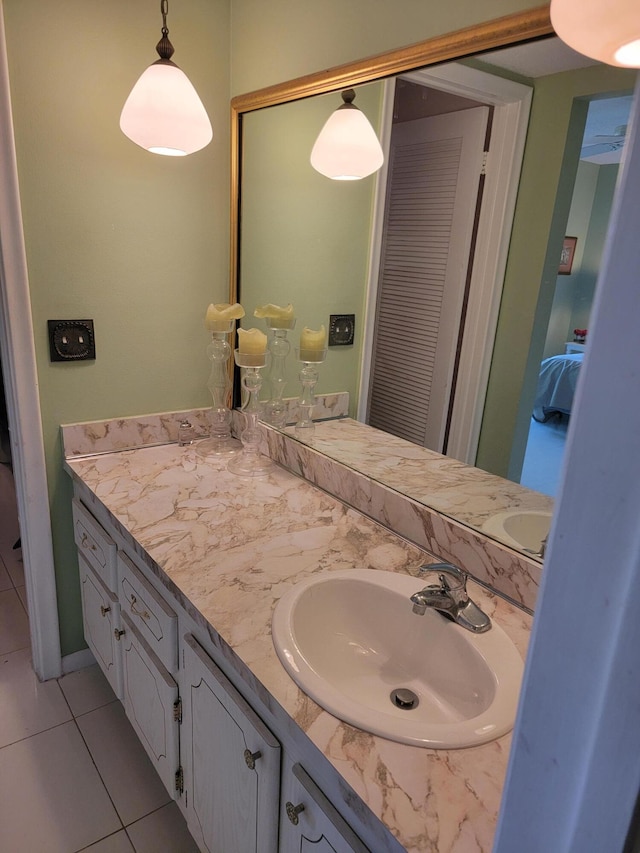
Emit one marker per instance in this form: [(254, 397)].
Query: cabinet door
[(308, 821), (101, 618), (231, 762), (150, 701)]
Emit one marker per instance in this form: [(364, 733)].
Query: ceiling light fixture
[(347, 147), (608, 32), (163, 112)]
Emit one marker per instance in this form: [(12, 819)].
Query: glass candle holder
[(275, 409), (220, 441), (308, 376), (250, 462)]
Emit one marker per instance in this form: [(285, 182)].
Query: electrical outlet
[(341, 329), (71, 340)]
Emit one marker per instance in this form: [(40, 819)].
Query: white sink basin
[(349, 639), (519, 528)]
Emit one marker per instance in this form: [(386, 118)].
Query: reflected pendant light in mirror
[(347, 147), (163, 112), (609, 32)]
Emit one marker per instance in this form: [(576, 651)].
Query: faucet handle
[(451, 577)]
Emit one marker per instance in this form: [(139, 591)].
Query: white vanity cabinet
[(308, 821), (213, 752), (230, 759)]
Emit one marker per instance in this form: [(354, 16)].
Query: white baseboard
[(78, 660)]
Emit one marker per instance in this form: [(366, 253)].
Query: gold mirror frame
[(501, 32)]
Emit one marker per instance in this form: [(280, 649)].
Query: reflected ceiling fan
[(604, 149)]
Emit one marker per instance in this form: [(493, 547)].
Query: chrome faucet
[(449, 596), (541, 551)]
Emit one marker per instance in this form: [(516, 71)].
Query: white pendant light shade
[(608, 32), (164, 114), (347, 147)]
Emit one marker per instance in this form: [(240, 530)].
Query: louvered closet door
[(434, 174)]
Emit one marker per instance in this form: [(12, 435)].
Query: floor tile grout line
[(35, 734), (104, 784)]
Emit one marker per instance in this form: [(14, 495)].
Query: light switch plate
[(71, 340), (341, 329)]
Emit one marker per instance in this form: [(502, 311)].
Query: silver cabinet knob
[(118, 633), (104, 610), (251, 758), (293, 812)]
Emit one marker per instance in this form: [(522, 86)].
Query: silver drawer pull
[(251, 758), (293, 812), (118, 633), (104, 610), (86, 542), (143, 614)]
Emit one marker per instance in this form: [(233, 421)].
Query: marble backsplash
[(107, 436)]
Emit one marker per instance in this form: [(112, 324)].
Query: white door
[(150, 699), (435, 167), (101, 618), (231, 762)]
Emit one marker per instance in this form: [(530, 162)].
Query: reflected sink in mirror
[(351, 641), (522, 530)]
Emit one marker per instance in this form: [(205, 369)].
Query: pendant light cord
[(164, 47)]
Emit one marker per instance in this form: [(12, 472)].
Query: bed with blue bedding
[(557, 382)]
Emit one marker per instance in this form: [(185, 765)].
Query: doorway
[(17, 352), (14, 626), (564, 346), (510, 104), (433, 194)]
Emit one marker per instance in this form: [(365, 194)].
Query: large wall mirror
[(340, 248)]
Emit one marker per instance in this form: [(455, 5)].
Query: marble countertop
[(229, 548)]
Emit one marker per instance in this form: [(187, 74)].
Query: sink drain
[(404, 698)]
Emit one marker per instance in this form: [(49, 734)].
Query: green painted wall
[(594, 246), (305, 238), (136, 241), (282, 39)]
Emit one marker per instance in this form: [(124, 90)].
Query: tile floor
[(73, 775)]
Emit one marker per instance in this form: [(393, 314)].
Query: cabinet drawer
[(101, 618), (95, 544), (149, 612), (150, 702)]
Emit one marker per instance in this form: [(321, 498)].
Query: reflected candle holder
[(250, 462), (275, 409), (220, 440), (308, 377)]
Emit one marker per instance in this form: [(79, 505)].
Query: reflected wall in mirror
[(316, 243)]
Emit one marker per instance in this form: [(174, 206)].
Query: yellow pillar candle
[(220, 315), (252, 341), (312, 344), (275, 313)]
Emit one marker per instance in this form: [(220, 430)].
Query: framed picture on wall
[(566, 256)]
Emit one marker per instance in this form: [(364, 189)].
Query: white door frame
[(512, 102), (574, 775), (23, 401)]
